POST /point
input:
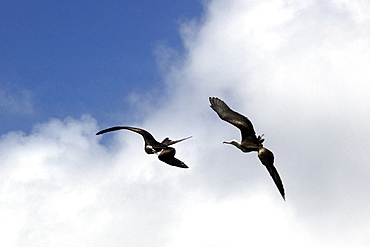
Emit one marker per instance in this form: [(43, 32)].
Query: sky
[(297, 69)]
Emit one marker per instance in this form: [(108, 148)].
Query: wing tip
[(213, 100), (178, 163), (283, 195), (111, 129), (100, 132)]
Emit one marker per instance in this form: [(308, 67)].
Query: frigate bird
[(250, 142), (152, 146)]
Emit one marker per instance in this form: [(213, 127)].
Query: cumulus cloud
[(59, 186), (297, 70)]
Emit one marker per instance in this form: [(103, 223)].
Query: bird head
[(235, 143), (150, 150), (232, 142)]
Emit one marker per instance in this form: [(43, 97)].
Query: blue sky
[(299, 70), (70, 58)]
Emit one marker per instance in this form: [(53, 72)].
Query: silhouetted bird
[(153, 146), (250, 142)]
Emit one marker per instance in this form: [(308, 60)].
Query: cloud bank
[(297, 70)]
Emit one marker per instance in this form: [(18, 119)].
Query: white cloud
[(16, 103), (298, 70)]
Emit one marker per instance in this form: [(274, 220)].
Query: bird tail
[(260, 139)]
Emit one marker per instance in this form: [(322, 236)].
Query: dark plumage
[(250, 142), (152, 146)]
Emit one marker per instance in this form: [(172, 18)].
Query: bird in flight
[(152, 146), (250, 142)]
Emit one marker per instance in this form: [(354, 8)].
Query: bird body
[(152, 146), (250, 142)]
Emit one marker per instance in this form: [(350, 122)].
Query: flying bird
[(152, 146), (250, 142)]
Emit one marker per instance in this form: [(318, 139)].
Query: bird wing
[(235, 118), (169, 142), (177, 162), (168, 157), (267, 159), (148, 138)]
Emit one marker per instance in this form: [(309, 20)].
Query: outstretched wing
[(267, 159), (168, 156), (169, 142), (236, 119), (148, 138)]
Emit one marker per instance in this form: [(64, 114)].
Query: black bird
[(153, 146), (250, 142)]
